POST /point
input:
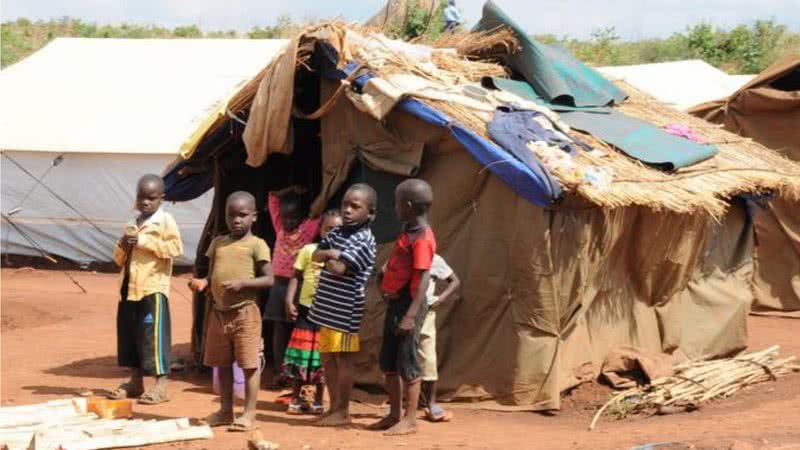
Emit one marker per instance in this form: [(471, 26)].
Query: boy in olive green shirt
[(239, 267)]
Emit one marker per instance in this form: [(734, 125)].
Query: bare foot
[(402, 427), (219, 418), (384, 424), (334, 419), (324, 415)]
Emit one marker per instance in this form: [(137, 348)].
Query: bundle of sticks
[(698, 381)]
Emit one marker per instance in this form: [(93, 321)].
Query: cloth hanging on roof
[(514, 129), (555, 74), (531, 181), (636, 138)]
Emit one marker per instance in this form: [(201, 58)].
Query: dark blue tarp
[(178, 189), (533, 183), (193, 185)]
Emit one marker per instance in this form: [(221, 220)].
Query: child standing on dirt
[(293, 231), (145, 254), (302, 362), (348, 253), (440, 272), (239, 267), (404, 286)]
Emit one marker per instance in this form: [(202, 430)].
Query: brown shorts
[(234, 336)]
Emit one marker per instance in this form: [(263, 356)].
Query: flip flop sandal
[(294, 409), (216, 420), (124, 390), (242, 427), (436, 413), (284, 399), (153, 398)]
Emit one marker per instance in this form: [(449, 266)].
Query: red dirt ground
[(57, 340)]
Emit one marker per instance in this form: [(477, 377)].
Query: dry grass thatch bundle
[(490, 45), (468, 70), (741, 166), (699, 381)]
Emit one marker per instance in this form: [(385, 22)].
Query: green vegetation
[(421, 23), (22, 37), (743, 49)]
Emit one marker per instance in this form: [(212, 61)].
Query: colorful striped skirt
[(301, 361)]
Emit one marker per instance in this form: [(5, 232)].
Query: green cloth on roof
[(636, 138), (640, 140), (556, 75)]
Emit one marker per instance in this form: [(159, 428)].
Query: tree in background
[(743, 49), (283, 28)]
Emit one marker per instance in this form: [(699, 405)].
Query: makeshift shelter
[(83, 119), (563, 258), (767, 110), (682, 84)]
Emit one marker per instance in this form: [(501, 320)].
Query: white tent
[(682, 84), (82, 119)]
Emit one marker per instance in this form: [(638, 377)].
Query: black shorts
[(399, 352), (275, 309), (144, 334)]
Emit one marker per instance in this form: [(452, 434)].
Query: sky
[(632, 19)]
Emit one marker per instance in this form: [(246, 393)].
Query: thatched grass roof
[(741, 166)]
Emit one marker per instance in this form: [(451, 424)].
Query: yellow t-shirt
[(311, 270), (149, 263), (235, 259)]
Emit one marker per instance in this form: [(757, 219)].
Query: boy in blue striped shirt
[(348, 253)]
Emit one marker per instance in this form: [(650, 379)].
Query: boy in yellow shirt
[(145, 254)]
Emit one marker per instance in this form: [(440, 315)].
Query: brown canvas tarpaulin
[(776, 261), (767, 109), (625, 367), (267, 129), (762, 109), (547, 294)]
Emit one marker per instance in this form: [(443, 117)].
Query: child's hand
[(131, 241), (336, 267), (233, 285), (406, 325), (291, 312), (198, 284)]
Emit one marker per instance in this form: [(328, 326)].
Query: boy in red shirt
[(404, 286)]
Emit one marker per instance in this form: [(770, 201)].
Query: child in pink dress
[(288, 211)]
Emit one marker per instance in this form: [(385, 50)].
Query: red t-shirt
[(413, 252)]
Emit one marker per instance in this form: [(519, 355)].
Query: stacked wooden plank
[(69, 424)]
